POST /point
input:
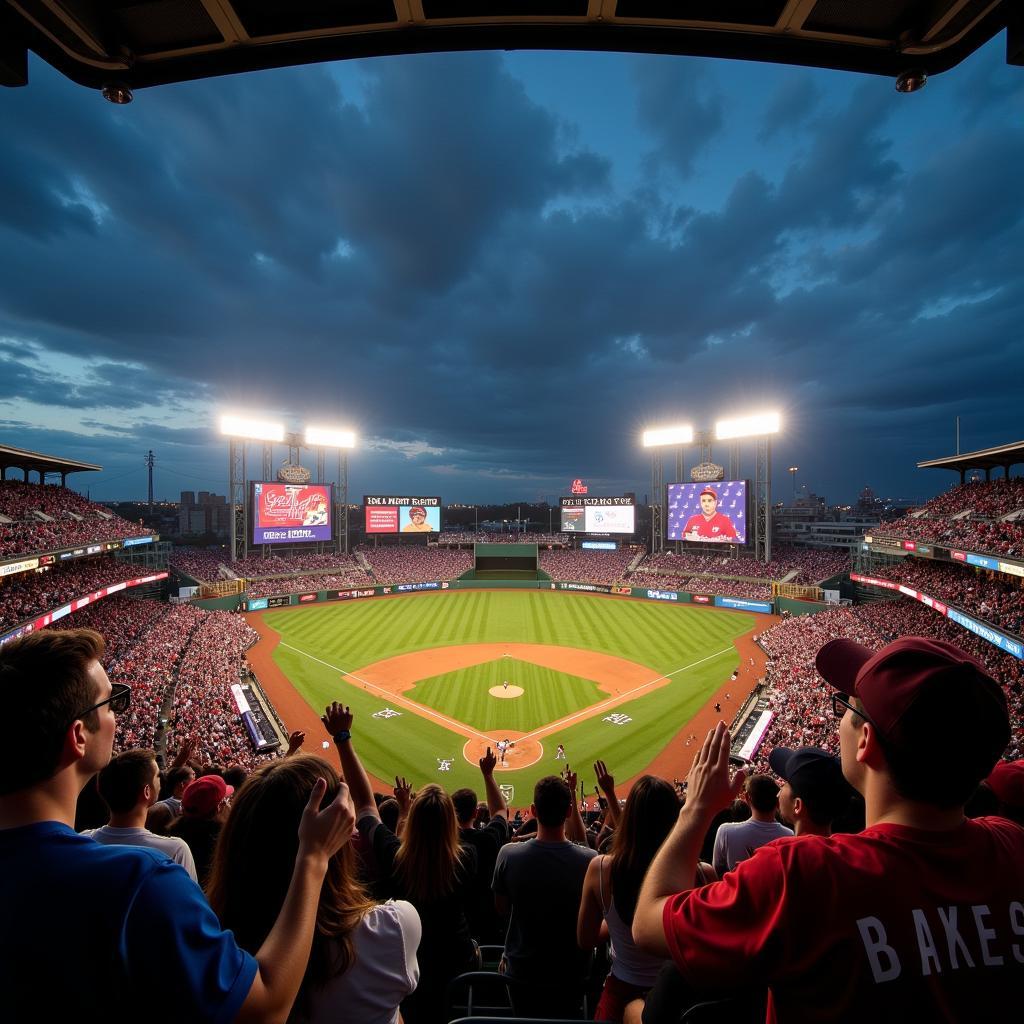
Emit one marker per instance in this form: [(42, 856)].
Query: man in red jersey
[(709, 523), (920, 916)]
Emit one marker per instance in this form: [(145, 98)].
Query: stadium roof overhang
[(138, 43), (22, 458), (1001, 457)]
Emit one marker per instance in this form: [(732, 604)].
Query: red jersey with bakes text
[(718, 527), (895, 923)]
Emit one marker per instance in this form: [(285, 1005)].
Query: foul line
[(459, 727), (593, 709)]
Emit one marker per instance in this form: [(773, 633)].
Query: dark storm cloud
[(679, 103), (438, 262)]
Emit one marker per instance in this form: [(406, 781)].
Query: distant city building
[(210, 514)]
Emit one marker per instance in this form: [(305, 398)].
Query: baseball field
[(433, 679)]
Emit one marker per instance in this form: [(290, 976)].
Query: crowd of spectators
[(991, 596), (811, 565), (486, 537), (70, 520), (346, 580), (979, 528), (204, 707), (199, 563), (407, 563), (701, 585), (801, 701), (606, 567), (34, 593)]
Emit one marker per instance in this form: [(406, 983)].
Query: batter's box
[(387, 713)]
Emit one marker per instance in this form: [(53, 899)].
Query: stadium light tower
[(792, 473), (239, 430), (760, 426), (321, 438), (658, 440)]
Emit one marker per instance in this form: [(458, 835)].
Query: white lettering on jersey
[(953, 939), (872, 934), (985, 936), (1017, 927), (926, 944)]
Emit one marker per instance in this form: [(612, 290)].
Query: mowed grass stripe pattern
[(465, 695), (662, 637)]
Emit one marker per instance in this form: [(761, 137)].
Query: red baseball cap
[(1006, 780), (711, 491), (917, 672), (203, 796), (417, 508)]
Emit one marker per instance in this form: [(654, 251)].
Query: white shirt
[(735, 841), (175, 848), (384, 972)]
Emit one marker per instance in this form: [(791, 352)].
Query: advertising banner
[(279, 602), (402, 587), (662, 595), (25, 565), (615, 514), (590, 588), (290, 513), (599, 545), (1004, 643), (714, 513), (1011, 568), (257, 604), (983, 561), (397, 513), (743, 604), (132, 542)]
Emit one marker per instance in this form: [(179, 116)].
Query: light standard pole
[(792, 472)]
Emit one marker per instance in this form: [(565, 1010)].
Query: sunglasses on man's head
[(119, 700)]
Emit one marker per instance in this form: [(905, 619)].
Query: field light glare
[(748, 426), (254, 430), (328, 437), (668, 436)]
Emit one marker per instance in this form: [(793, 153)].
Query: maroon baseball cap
[(203, 796), (927, 675)]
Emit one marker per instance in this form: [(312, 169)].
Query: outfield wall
[(643, 593)]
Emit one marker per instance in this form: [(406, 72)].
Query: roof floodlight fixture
[(330, 437), (912, 80), (757, 425), (668, 436), (252, 430)]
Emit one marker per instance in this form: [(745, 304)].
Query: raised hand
[(295, 741), (487, 763), (569, 776), (337, 718), (323, 833), (403, 794), (605, 780), (709, 787)]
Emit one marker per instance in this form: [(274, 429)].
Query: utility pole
[(150, 459)]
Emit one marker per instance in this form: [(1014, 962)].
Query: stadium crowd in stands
[(586, 566), (407, 563), (487, 537), (33, 593), (992, 596), (809, 564), (980, 527), (71, 520), (701, 585), (347, 579)]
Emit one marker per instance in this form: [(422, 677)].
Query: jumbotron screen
[(598, 515), (394, 513), (290, 513), (708, 513)]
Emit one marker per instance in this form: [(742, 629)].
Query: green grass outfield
[(692, 646)]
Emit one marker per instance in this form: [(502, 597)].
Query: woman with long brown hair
[(363, 961), (612, 885), (424, 864)]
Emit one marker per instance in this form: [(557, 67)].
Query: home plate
[(501, 691)]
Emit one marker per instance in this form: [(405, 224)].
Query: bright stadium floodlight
[(668, 436), (329, 437), (252, 430), (748, 426)]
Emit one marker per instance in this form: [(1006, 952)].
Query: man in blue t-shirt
[(116, 933)]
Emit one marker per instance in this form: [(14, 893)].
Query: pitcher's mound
[(500, 691)]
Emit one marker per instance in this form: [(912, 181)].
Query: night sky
[(500, 267)]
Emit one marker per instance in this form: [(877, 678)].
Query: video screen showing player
[(416, 521), (708, 513)]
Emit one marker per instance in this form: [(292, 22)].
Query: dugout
[(505, 562)]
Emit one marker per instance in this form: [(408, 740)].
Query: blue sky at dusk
[(498, 268)]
